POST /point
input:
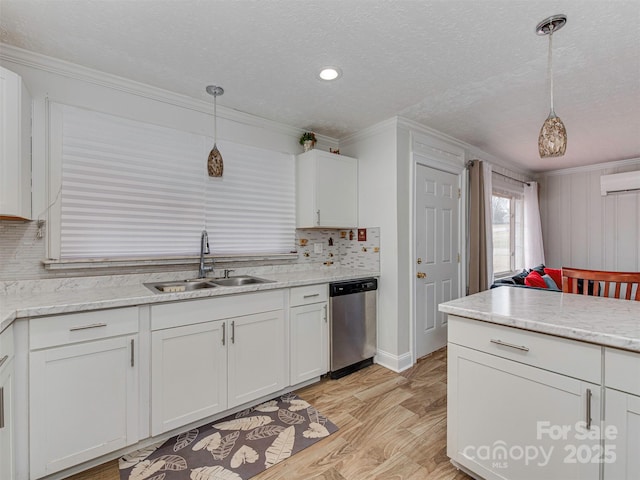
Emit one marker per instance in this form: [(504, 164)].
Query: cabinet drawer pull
[(3, 359), (311, 295), (132, 353), (233, 331), (85, 327), (1, 407), (224, 332), (588, 419), (511, 345)]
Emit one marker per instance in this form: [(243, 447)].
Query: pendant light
[(552, 141), (215, 165)]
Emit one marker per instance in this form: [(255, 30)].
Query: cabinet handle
[(1, 407), (318, 214), (325, 314), (310, 296), (233, 331), (3, 359), (224, 332), (511, 345), (589, 395), (132, 353), (85, 327)]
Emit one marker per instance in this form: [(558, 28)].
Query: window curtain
[(480, 227), (533, 246)]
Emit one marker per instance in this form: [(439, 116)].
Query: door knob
[(419, 261), (421, 275)]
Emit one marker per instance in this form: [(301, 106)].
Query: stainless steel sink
[(238, 281), (179, 286)]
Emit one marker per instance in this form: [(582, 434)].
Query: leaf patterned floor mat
[(236, 447)]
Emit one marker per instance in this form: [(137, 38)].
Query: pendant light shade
[(215, 164), (552, 141)]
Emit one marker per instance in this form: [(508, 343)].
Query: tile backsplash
[(340, 247), (22, 251)]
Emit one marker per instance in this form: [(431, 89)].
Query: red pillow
[(534, 279), (555, 274)]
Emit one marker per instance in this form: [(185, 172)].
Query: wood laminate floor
[(392, 426)]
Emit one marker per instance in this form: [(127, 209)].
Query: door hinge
[(459, 193), (458, 258)]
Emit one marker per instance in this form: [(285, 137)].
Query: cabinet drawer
[(190, 312), (622, 370), (568, 357), (81, 327), (308, 294), (6, 345)]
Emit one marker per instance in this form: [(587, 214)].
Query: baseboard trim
[(397, 363)]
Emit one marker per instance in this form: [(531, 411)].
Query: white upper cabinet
[(15, 147), (326, 190)]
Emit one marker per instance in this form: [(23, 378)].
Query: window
[(132, 189), (507, 214)]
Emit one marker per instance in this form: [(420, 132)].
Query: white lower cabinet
[(257, 356), (7, 454), (213, 354), (509, 419), (622, 414), (189, 374), (308, 319), (83, 388)]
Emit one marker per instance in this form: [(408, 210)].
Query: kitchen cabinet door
[(257, 356), (326, 190), (622, 412), (7, 455), (507, 420), (309, 342), (15, 147), (188, 374), (83, 402)]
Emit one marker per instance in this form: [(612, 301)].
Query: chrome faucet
[(204, 249)]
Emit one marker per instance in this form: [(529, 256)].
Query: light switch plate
[(317, 248)]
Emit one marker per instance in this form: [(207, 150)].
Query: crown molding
[(591, 168), (371, 131), (27, 58)]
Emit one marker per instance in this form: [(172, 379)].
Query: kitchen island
[(543, 385)]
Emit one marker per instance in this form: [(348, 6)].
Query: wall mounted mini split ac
[(620, 182)]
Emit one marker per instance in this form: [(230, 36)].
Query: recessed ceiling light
[(330, 73)]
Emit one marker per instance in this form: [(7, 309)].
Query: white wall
[(50, 80), (583, 229), (375, 150)]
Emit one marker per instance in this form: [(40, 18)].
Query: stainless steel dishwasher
[(352, 329)]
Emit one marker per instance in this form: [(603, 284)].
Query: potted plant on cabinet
[(308, 140)]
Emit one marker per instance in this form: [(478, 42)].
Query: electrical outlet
[(317, 248)]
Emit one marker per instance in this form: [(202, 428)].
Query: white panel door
[(188, 374), (257, 356), (83, 402), (622, 411), (436, 246)]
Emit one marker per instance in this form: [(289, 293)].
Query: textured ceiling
[(472, 69)]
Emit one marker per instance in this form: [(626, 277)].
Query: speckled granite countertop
[(603, 321), (79, 294)]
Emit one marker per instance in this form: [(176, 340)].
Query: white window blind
[(131, 189), (252, 206)]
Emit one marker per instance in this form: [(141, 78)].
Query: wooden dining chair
[(601, 283)]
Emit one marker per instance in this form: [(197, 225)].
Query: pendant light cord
[(551, 66), (215, 120)]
